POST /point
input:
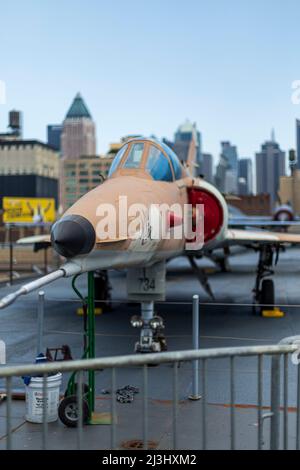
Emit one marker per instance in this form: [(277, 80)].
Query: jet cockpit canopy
[(148, 156)]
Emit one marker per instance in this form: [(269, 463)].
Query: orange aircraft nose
[(73, 235)]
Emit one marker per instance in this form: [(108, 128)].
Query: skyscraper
[(185, 134), (78, 135), (221, 174), (207, 167), (298, 142), (270, 166), (54, 136), (227, 169), (245, 174)]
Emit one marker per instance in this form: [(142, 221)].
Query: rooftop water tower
[(15, 122)]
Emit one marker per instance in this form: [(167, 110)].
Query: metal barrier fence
[(278, 432)]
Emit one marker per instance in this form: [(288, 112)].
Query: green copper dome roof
[(78, 109)]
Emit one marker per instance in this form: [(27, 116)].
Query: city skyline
[(146, 77)]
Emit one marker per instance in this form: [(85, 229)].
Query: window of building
[(158, 165), (70, 190)]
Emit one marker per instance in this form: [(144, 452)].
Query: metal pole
[(260, 441), (195, 384), (91, 338), (79, 407), (46, 260), (8, 414), (11, 256), (232, 404), (175, 405), (113, 410), (145, 407), (285, 401), (41, 309), (275, 402), (298, 410), (46, 406)]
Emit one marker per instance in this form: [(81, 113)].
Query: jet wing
[(249, 237), (260, 222), (34, 239)]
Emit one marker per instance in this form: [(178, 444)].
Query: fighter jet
[(148, 211), (282, 218)]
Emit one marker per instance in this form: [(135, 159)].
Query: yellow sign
[(28, 210)]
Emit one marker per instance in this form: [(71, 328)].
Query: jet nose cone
[(73, 235)]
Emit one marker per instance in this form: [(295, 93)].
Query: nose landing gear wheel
[(68, 411)]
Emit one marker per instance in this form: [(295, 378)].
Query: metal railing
[(276, 353)]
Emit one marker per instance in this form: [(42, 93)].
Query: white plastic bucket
[(35, 398)]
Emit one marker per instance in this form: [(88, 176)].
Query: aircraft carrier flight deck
[(225, 322)]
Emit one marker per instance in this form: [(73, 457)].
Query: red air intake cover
[(213, 211)]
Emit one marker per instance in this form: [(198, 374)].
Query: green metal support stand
[(88, 353), (89, 341), (91, 338)]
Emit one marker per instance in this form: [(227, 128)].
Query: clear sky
[(144, 66)]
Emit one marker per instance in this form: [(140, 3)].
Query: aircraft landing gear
[(152, 338), (221, 261), (264, 294), (201, 277), (267, 294)]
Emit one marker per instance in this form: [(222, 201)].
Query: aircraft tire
[(267, 294)]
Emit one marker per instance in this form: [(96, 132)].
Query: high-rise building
[(54, 132), (231, 182), (207, 167), (28, 168), (245, 174), (78, 136), (229, 152), (298, 142), (220, 175), (187, 154), (82, 175), (227, 169), (185, 134), (270, 166)]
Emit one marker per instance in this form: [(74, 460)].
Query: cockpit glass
[(174, 160), (158, 165), (117, 160), (134, 157)]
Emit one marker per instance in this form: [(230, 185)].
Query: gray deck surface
[(220, 326)]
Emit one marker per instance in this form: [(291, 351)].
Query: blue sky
[(145, 66)]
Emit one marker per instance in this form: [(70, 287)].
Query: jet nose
[(73, 235)]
